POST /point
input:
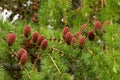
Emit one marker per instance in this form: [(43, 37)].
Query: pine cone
[(20, 53), (64, 32), (35, 20), (27, 31), (82, 42), (35, 15), (24, 58), (91, 35), (11, 38), (97, 25), (44, 44), (40, 39), (73, 41), (35, 37), (68, 38), (107, 23), (77, 35), (83, 28)]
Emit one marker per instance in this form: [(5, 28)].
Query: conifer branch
[(101, 63), (28, 74)]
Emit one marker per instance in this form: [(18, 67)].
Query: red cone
[(73, 41), (24, 58), (68, 38), (27, 31), (107, 23), (40, 39), (64, 32), (97, 25), (91, 35), (35, 20), (77, 35), (35, 15), (44, 44), (11, 38), (35, 37), (20, 53), (83, 28), (82, 42)]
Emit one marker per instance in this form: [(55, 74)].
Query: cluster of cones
[(35, 18), (79, 37), (36, 41), (70, 39), (35, 8), (22, 54)]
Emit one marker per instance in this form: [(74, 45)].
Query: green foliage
[(98, 60)]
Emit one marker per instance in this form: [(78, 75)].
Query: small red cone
[(27, 31), (107, 23), (11, 37), (24, 58), (20, 53), (35, 15), (68, 38), (44, 44), (40, 39), (35, 37), (35, 20), (82, 30), (97, 25), (77, 35), (64, 32), (82, 42), (91, 35), (73, 41)]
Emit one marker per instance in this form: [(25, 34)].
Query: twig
[(55, 64), (90, 52), (38, 57), (28, 74)]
